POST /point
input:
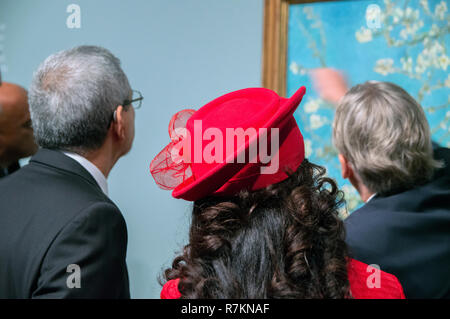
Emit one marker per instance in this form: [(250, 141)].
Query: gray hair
[(384, 134), (73, 96)]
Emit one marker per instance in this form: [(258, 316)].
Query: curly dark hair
[(284, 241)]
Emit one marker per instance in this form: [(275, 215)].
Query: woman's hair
[(284, 241)]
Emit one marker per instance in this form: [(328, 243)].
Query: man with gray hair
[(385, 150), (60, 234)]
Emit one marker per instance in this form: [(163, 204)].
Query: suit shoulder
[(101, 213), (364, 226)]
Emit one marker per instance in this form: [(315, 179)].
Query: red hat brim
[(195, 188)]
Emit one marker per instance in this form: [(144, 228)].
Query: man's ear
[(346, 169), (119, 122)]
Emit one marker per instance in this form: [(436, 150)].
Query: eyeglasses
[(136, 97)]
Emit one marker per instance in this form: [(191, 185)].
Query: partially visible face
[(16, 134), (129, 116)]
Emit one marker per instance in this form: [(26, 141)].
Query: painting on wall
[(401, 41)]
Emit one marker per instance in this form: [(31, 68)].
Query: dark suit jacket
[(54, 214), (408, 235), (11, 169)]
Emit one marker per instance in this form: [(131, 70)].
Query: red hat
[(224, 147)]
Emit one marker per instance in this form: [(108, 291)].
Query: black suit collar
[(13, 167), (10, 169), (59, 160)]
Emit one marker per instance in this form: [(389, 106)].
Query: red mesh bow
[(169, 168)]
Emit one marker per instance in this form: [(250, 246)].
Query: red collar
[(366, 282)]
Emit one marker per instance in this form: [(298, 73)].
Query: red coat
[(358, 276)]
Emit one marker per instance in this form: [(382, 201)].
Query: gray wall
[(179, 54)]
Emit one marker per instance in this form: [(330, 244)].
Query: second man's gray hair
[(383, 132), (73, 96)]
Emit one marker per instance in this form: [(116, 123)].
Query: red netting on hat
[(168, 168)]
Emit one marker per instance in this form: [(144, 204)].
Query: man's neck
[(370, 198), (104, 158), (362, 189), (103, 162), (365, 193)]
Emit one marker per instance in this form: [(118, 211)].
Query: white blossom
[(384, 66), (434, 30), (397, 15), (295, 69), (406, 64), (411, 28), (363, 35), (447, 82), (312, 105), (308, 148), (444, 61), (432, 55), (317, 121), (440, 10), (404, 33), (424, 4)]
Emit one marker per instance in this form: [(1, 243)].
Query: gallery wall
[(179, 54)]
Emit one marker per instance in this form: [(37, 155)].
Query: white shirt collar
[(92, 169), (373, 195)]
